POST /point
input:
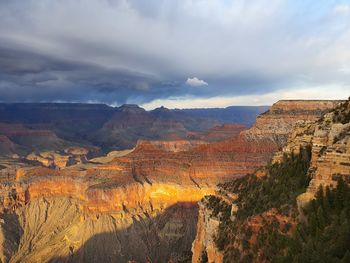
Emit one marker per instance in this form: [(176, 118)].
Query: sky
[(180, 54)]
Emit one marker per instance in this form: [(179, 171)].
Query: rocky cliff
[(146, 198), (96, 205), (271, 204), (278, 122), (212, 163)]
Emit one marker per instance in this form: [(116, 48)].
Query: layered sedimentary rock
[(217, 133), (110, 128), (216, 162), (172, 145), (16, 138), (206, 164), (146, 198), (112, 217), (330, 151), (59, 160), (278, 122), (329, 140)]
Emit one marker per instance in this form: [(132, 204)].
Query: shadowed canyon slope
[(133, 205)]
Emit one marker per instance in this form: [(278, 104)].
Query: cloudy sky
[(183, 53)]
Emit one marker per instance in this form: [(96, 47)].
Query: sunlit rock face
[(98, 207), (61, 159), (278, 122), (328, 138), (136, 205), (330, 150), (172, 145)]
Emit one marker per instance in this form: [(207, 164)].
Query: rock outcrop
[(217, 133), (330, 151), (146, 198), (216, 162), (16, 138), (59, 160), (172, 145), (278, 122), (204, 248), (327, 137)]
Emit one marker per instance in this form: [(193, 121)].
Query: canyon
[(69, 204), (228, 215), (28, 127)]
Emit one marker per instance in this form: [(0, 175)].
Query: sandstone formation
[(278, 122), (219, 161), (204, 245), (59, 160), (329, 140), (113, 216), (172, 145), (217, 133), (145, 198)]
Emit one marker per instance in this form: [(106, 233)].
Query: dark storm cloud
[(27, 76), (118, 51)]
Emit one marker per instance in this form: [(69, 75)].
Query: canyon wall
[(327, 136), (56, 126), (278, 122), (103, 210)]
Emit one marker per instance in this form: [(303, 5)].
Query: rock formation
[(103, 209), (217, 133), (328, 138), (59, 160), (55, 126), (278, 122)]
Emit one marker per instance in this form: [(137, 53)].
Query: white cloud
[(195, 82)]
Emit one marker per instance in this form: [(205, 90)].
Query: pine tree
[(330, 197), (340, 194), (321, 218)]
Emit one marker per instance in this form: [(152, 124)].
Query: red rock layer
[(216, 162), (217, 133)]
